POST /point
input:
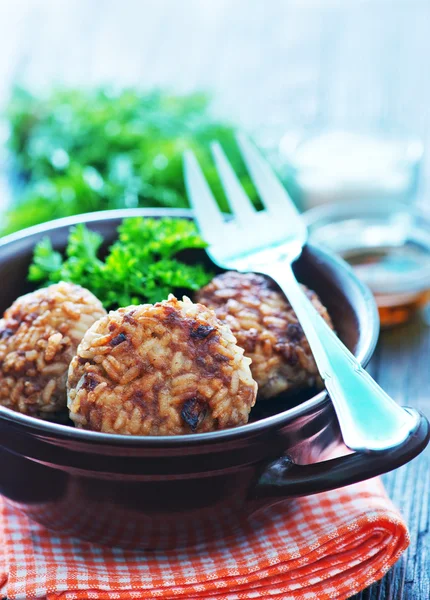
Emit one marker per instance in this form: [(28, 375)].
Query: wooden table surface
[(273, 66), (400, 365)]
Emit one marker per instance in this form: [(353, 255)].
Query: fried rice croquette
[(164, 369), (264, 324), (39, 335)]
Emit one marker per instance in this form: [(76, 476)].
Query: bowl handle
[(283, 478)]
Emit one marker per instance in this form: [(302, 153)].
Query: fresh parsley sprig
[(141, 266)]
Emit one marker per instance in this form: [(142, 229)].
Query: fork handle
[(369, 419)]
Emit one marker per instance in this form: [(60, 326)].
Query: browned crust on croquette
[(163, 369), (39, 335), (265, 325)]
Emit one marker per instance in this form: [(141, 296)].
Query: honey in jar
[(387, 245)]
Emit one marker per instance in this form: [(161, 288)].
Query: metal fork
[(268, 242)]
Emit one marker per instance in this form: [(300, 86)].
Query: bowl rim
[(369, 337)]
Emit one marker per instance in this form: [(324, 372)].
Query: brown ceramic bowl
[(157, 492)]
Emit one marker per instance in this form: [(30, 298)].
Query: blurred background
[(281, 63), (101, 97)]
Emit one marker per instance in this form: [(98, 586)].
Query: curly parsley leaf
[(46, 263), (141, 266)]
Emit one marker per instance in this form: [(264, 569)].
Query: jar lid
[(387, 243)]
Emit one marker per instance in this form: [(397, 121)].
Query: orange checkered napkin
[(329, 545)]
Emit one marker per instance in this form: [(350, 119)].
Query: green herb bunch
[(141, 266), (77, 151)]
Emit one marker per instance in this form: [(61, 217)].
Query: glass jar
[(388, 246), (334, 165)]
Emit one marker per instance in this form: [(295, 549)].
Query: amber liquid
[(400, 308), (395, 308)]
